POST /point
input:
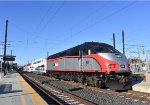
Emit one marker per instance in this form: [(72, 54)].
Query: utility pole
[(11, 62), (5, 44), (123, 42), (114, 40)]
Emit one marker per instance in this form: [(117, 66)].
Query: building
[(138, 65)]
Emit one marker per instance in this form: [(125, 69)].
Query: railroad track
[(54, 95), (130, 94), (134, 96), (42, 92)]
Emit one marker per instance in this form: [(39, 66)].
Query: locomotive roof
[(95, 43), (86, 45)]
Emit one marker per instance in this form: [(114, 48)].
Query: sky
[(38, 27)]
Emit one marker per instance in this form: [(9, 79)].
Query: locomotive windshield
[(103, 49), (94, 48)]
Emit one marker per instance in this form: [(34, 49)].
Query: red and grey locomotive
[(91, 63)]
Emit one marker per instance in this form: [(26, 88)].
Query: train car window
[(85, 52), (42, 66)]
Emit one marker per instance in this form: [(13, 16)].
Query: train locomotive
[(91, 63)]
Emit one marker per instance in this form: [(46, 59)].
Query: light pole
[(1, 57), (147, 60), (5, 45), (1, 61)]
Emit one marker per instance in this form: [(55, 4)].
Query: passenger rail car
[(91, 63), (40, 66)]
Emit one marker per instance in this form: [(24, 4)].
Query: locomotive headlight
[(122, 66), (111, 66)]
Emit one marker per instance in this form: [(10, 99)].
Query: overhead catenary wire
[(132, 50), (44, 16), (50, 19), (146, 35), (81, 19), (36, 35), (56, 40), (22, 30), (90, 15), (134, 45), (85, 18), (142, 39), (90, 26), (98, 21), (140, 31), (29, 33)]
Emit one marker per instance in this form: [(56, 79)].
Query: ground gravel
[(99, 98)]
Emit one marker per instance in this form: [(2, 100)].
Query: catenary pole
[(114, 43), (123, 42)]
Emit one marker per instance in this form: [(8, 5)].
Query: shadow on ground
[(7, 88)]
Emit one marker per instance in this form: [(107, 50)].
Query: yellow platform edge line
[(22, 98), (34, 96), (23, 102)]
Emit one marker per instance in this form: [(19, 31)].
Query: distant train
[(38, 66), (91, 63)]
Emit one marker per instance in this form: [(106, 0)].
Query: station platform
[(141, 86), (14, 90)]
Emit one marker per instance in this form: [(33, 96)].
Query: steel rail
[(55, 101)]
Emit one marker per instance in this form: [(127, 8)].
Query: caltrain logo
[(56, 64)]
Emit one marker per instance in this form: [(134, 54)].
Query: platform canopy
[(9, 58)]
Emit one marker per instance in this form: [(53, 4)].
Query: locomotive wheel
[(95, 81), (98, 83), (103, 85), (81, 79), (88, 81)]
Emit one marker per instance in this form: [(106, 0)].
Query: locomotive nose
[(115, 62)]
